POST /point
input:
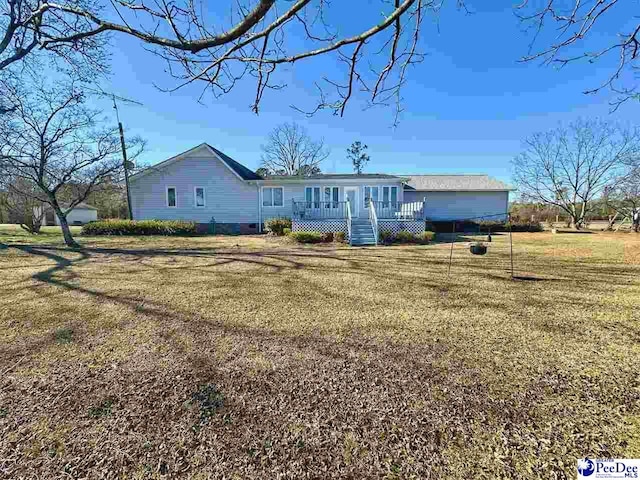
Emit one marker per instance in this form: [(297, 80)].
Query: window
[(172, 200), (370, 193), (272, 196), (198, 197), (331, 195), (389, 195), (312, 195)]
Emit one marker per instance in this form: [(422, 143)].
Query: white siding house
[(206, 186), (321, 186), (459, 197), (199, 185)]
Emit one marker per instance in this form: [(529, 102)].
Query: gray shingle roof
[(240, 169), (434, 183)]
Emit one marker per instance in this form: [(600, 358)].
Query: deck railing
[(399, 210), (319, 210), (373, 218), (349, 222)]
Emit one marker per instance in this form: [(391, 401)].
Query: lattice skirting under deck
[(322, 226), (395, 226)]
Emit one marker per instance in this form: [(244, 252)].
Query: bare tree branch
[(575, 35), (262, 36)]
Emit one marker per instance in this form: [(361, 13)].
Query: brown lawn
[(248, 357)]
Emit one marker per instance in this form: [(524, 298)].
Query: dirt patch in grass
[(246, 357)]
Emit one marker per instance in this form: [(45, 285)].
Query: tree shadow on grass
[(59, 275)]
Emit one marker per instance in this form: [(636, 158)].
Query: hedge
[(139, 227), (307, 237), (484, 226), (387, 237), (516, 224)]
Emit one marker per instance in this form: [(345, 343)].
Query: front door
[(351, 194)]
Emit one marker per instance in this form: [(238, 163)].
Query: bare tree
[(290, 151), (358, 155), (566, 32), (252, 39), (248, 39), (570, 167), (623, 197), (55, 142)]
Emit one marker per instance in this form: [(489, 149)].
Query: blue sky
[(467, 106)]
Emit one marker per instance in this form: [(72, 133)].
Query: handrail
[(349, 223), (388, 210), (319, 209), (373, 218)]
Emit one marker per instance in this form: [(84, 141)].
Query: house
[(453, 197), (206, 186), (81, 214)]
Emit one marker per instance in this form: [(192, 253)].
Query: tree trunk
[(66, 232), (577, 221)]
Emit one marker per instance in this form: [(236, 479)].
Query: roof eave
[(509, 189), (311, 179)]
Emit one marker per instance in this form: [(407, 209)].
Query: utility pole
[(125, 162)]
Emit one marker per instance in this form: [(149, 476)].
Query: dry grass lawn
[(247, 357)]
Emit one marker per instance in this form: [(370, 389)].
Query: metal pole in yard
[(511, 243), (453, 233), (125, 162)]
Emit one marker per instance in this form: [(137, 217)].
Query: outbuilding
[(81, 214)]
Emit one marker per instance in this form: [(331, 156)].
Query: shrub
[(404, 236), (307, 237), (139, 227), (340, 237), (386, 237), (327, 237), (276, 226), (286, 231), (491, 225), (425, 237), (518, 225)]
